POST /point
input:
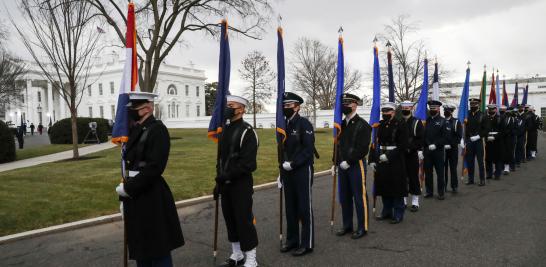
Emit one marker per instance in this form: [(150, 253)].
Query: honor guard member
[(413, 153), (476, 128), (454, 131), (388, 161), (234, 181), (150, 217), (493, 144), (297, 178), (353, 147), (508, 141), (521, 129), (533, 124), (434, 147)]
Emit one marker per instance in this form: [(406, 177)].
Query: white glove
[(121, 209), (475, 138), (344, 165), (461, 144), (383, 158), (432, 147), (121, 192), (420, 155), (490, 138), (286, 166), (447, 146), (279, 183), (333, 170), (372, 166)]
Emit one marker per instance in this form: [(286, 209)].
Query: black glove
[(215, 192), (222, 179)]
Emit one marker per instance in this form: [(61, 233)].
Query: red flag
[(492, 93)]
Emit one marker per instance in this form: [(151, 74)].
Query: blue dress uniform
[(494, 145), (353, 147), (390, 176), (435, 134), (297, 183), (476, 128), (508, 140), (454, 131), (521, 129)]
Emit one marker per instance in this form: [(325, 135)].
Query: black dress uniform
[(353, 147), (475, 125), (533, 124), (416, 132), (238, 149), (508, 140), (521, 129), (390, 177), (454, 134), (435, 134), (150, 217), (494, 147), (297, 183)]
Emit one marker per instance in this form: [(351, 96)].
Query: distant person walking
[(40, 128), (32, 128), (20, 138)]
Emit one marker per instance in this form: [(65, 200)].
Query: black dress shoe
[(441, 197), (382, 218), (396, 221), (301, 251), (428, 196), (358, 234), (343, 231), (288, 248), (482, 183), (232, 263), (469, 183), (414, 208)]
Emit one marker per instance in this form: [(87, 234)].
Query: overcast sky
[(505, 34)]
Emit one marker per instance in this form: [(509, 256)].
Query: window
[(198, 111), (113, 110), (169, 110), (542, 86), (173, 111), (177, 115), (197, 91), (172, 90), (90, 112), (187, 110), (101, 111), (187, 90), (39, 96), (100, 88), (89, 89), (40, 117), (543, 112), (112, 88)]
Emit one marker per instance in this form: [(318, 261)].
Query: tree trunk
[(74, 116), (254, 100)]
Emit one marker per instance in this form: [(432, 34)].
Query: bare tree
[(408, 55), (162, 24), (11, 70), (62, 38), (314, 70), (255, 70)]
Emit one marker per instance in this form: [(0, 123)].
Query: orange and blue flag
[(339, 90), (217, 119), (280, 122), (120, 132), (515, 97), (504, 94)]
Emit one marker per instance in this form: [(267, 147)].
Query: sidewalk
[(53, 157)]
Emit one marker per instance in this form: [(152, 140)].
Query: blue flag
[(217, 120), (421, 111), (339, 90), (525, 94), (463, 105), (376, 98), (280, 122)]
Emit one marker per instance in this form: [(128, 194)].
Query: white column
[(31, 109), (62, 104), (49, 100)]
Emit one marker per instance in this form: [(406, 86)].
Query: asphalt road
[(501, 224)]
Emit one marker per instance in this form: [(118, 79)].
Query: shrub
[(7, 143), (61, 131)]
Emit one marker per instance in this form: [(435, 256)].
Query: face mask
[(387, 117), (433, 113), (346, 110), (229, 113), (492, 113), (406, 112), (447, 113), (133, 114), (288, 112), (473, 109)]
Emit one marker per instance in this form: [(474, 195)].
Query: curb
[(117, 216)]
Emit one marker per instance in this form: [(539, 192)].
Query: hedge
[(61, 131), (7, 143)]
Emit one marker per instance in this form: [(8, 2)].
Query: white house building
[(181, 93)]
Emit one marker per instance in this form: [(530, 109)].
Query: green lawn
[(43, 150), (66, 191)]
